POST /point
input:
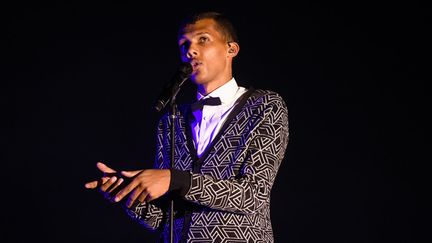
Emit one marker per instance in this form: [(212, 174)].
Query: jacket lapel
[(198, 162)]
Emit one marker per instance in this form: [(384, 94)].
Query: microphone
[(172, 87)]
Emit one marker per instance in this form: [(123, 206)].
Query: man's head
[(209, 42), (224, 25)]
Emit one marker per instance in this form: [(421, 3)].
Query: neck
[(207, 88)]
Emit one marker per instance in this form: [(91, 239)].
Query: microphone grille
[(186, 68)]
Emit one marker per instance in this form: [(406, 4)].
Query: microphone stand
[(174, 87), (173, 117)]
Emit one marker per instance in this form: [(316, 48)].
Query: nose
[(192, 52)]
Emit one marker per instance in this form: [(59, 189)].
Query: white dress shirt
[(208, 122)]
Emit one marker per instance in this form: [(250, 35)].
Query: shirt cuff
[(180, 182)]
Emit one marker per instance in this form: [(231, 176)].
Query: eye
[(203, 39)]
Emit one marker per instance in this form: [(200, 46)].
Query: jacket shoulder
[(266, 97)]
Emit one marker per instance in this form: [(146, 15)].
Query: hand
[(107, 183), (146, 186)]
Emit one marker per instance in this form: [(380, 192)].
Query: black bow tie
[(207, 101)]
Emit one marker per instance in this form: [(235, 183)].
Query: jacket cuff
[(180, 182)]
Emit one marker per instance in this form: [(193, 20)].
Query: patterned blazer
[(224, 196)]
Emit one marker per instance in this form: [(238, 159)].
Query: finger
[(91, 185), (143, 197), (108, 184), (130, 173), (105, 169), (134, 195), (125, 191), (115, 186), (95, 184), (103, 180)]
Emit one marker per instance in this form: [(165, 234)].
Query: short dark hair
[(224, 25)]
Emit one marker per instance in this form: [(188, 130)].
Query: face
[(208, 52)]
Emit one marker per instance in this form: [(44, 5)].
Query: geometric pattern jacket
[(227, 195)]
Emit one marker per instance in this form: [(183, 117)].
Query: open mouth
[(195, 64)]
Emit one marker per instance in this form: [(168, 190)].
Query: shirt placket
[(202, 130)]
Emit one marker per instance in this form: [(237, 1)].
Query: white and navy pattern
[(229, 197)]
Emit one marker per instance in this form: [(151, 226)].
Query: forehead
[(208, 26)]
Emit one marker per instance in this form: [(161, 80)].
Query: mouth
[(195, 64)]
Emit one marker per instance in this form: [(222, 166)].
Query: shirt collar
[(226, 92)]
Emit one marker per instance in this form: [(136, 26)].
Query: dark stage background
[(80, 80)]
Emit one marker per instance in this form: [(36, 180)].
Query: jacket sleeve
[(147, 214), (250, 190), (152, 214)]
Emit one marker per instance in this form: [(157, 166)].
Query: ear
[(233, 49)]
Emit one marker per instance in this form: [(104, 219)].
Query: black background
[(80, 80)]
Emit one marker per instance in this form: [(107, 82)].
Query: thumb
[(105, 169), (130, 173)]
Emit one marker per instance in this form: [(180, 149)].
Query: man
[(227, 153)]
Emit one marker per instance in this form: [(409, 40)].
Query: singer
[(229, 146)]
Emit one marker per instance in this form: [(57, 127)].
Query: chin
[(197, 80)]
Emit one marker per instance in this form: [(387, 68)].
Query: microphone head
[(186, 68), (171, 88)]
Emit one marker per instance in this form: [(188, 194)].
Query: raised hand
[(146, 185), (107, 183)]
